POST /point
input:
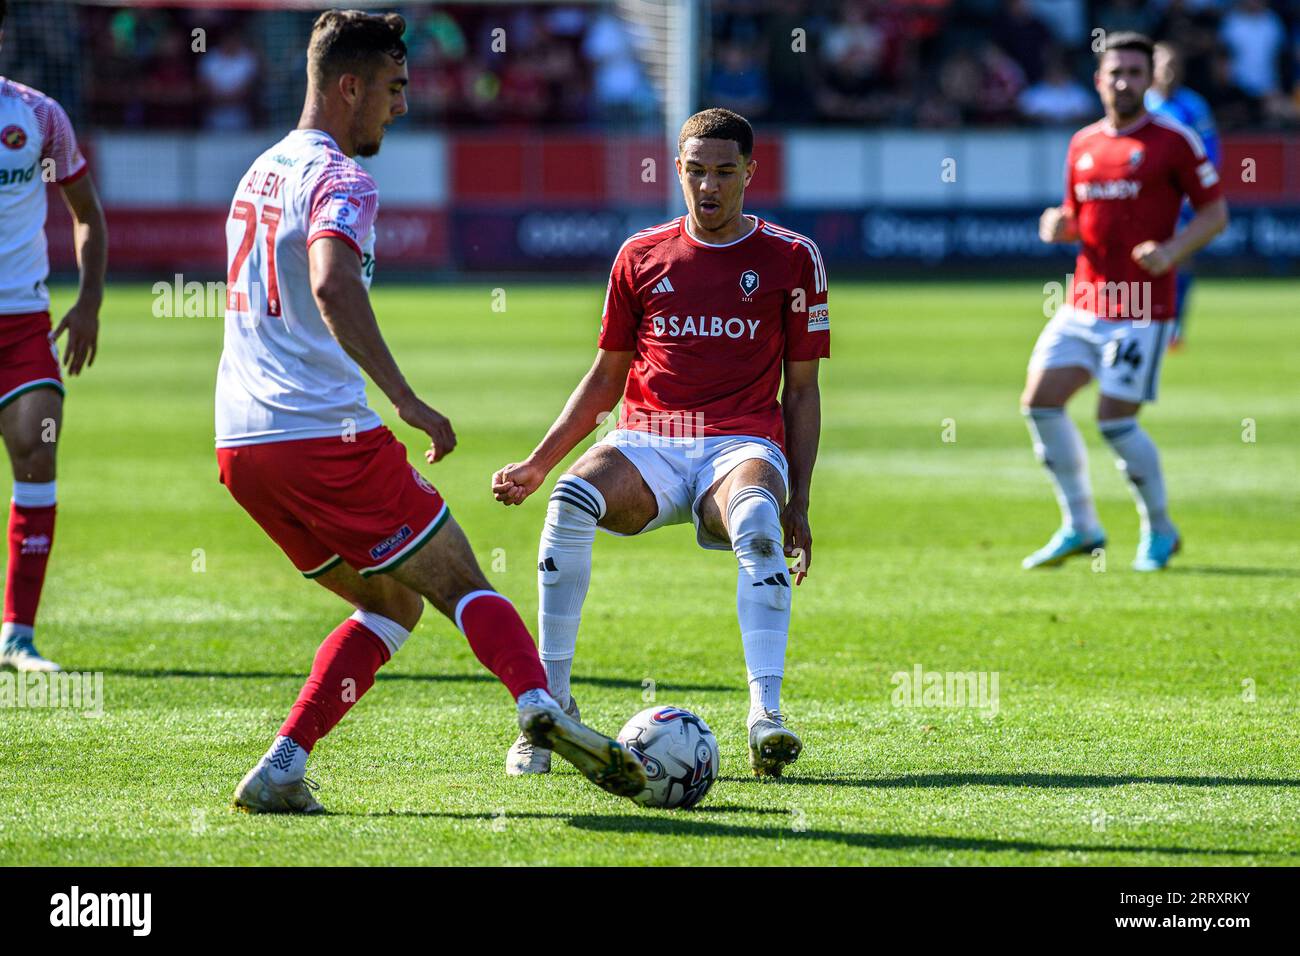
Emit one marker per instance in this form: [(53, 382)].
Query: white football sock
[(764, 695), (762, 592), (286, 761), (1059, 447), (563, 575), (1137, 457)]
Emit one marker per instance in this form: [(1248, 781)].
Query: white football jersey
[(283, 376), (37, 145)]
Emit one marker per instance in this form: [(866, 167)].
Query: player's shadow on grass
[(615, 683), (1048, 781), (490, 816), (1234, 572), (679, 825)]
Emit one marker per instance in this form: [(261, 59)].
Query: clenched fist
[(515, 482)]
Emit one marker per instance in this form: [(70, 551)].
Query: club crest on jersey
[(13, 136), (1084, 162), (1135, 158), (423, 482), (748, 282)]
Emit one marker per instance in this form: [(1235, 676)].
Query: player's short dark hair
[(1129, 40), (351, 41), (719, 123)]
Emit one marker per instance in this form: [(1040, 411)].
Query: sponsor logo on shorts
[(819, 318), (15, 137), (391, 544), (423, 482)]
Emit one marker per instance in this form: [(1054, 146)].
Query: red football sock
[(31, 532), (500, 640), (344, 669)]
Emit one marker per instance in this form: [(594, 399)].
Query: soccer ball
[(679, 752)]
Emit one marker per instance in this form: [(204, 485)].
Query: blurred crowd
[(223, 69), (947, 63), (908, 63)]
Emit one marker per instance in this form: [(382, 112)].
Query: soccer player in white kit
[(305, 456), (37, 146)]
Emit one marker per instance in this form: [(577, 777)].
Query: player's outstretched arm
[(90, 239), (593, 399), (1158, 258), (344, 304), (801, 407)]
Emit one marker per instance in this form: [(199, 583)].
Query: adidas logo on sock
[(779, 580), (547, 565), (663, 286)]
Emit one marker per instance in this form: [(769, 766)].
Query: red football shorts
[(326, 500), (28, 359)]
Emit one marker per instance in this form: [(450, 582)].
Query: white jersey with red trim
[(283, 376), (37, 146)]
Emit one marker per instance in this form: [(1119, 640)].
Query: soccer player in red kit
[(300, 449), (37, 145), (702, 317), (1126, 177)]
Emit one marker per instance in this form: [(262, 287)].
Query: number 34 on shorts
[(1123, 355)]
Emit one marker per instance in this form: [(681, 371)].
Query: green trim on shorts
[(414, 547), (31, 387), (329, 565)]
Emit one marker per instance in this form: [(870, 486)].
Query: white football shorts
[(681, 470), (1124, 355)]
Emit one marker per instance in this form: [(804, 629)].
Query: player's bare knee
[(35, 462), (625, 502), (446, 591), (404, 606)]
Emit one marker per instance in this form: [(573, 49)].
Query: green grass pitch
[(1140, 720)]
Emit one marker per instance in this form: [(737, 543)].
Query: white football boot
[(602, 760), (523, 757), (772, 745), (20, 654), (257, 794)]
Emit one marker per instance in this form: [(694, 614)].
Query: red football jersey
[(1125, 187), (711, 326)]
